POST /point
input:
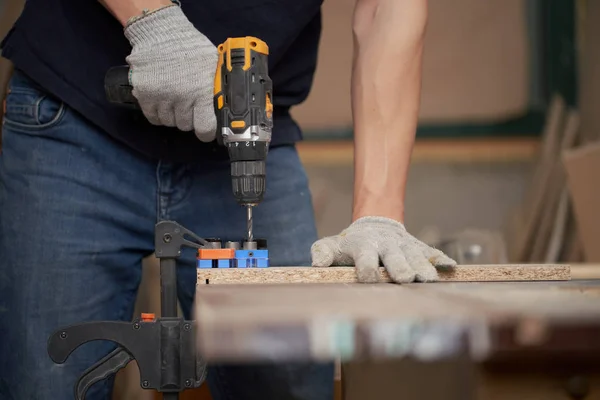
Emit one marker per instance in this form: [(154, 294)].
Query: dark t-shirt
[(66, 46)]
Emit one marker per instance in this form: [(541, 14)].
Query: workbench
[(536, 339)]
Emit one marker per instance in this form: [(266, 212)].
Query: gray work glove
[(371, 239), (173, 70)]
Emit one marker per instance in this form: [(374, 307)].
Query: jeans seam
[(186, 187), (161, 201), (23, 90), (36, 110), (158, 191), (28, 128)]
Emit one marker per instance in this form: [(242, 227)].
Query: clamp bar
[(169, 238)]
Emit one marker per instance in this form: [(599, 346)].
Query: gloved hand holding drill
[(173, 71)]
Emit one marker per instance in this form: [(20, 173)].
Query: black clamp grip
[(109, 365), (164, 348)]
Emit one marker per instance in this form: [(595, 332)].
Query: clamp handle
[(164, 349), (109, 365)]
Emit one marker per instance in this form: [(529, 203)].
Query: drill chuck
[(248, 170), (248, 181)]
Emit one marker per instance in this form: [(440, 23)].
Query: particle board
[(464, 273)]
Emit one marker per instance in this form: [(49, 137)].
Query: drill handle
[(118, 89)]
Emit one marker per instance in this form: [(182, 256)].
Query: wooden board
[(585, 271), (466, 273), (355, 321)]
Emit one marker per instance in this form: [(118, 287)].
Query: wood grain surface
[(460, 273)]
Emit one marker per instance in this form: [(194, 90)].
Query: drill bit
[(249, 222)]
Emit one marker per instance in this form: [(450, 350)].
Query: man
[(82, 182)]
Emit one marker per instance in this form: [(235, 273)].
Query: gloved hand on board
[(371, 239)]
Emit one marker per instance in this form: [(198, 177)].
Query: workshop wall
[(475, 66)]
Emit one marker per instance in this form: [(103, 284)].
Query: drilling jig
[(252, 254)]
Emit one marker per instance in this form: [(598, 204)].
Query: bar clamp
[(164, 348)]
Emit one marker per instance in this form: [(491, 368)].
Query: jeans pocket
[(29, 108)]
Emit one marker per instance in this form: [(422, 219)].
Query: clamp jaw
[(164, 347)]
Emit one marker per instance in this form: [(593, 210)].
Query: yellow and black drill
[(244, 110)]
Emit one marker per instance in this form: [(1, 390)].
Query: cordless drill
[(244, 111)]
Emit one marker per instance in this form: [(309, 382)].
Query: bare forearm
[(123, 10), (386, 84)]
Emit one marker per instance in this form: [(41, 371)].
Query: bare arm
[(122, 10), (386, 85)]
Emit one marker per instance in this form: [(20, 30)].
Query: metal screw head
[(188, 383), (167, 237), (136, 325), (63, 335), (145, 384), (186, 327)]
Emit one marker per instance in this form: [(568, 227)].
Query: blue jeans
[(77, 216)]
